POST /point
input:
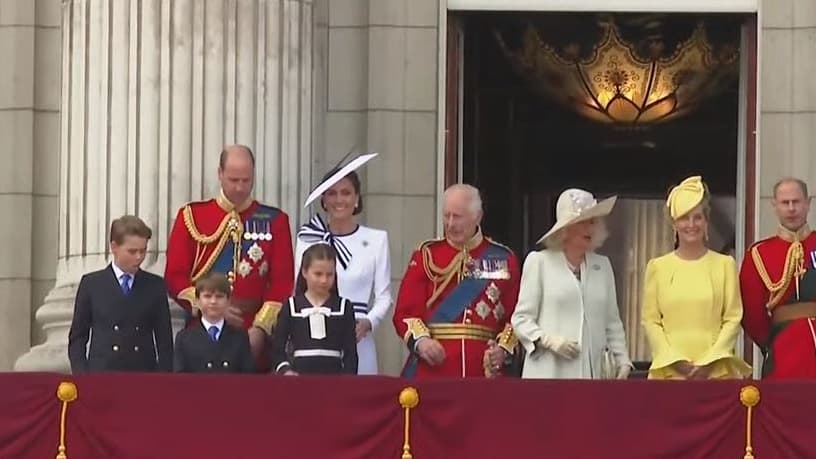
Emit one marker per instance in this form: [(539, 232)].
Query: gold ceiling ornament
[(616, 85)]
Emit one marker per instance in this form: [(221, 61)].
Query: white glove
[(623, 372), (560, 346)]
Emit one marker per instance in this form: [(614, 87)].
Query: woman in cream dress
[(567, 311), (691, 307)]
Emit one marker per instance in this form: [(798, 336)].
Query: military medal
[(493, 269), (247, 235), (268, 234), (255, 234), (470, 268)]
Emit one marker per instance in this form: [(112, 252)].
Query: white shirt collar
[(207, 324), (119, 273)]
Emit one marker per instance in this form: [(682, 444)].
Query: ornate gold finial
[(408, 399), (749, 396), (66, 393)]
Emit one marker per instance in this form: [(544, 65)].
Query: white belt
[(318, 353)]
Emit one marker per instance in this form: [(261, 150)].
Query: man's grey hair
[(802, 185), (472, 193)]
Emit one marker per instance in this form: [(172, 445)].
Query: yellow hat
[(686, 196)]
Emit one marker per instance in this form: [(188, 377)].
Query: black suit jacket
[(121, 329), (196, 353)]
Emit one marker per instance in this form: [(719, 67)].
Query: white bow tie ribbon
[(317, 320), (317, 231)]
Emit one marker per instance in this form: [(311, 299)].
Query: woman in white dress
[(567, 311), (363, 262)]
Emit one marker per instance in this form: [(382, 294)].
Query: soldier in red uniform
[(235, 235), (778, 284), (456, 298)]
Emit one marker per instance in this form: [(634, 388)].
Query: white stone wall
[(29, 130), (787, 85)]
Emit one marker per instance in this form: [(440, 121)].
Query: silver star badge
[(244, 268), (255, 252), (493, 292), (498, 311), (482, 309)]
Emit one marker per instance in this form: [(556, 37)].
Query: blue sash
[(462, 296)]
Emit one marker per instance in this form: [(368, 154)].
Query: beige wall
[(29, 129), (787, 122)]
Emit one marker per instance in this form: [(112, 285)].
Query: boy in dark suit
[(122, 310), (212, 345)]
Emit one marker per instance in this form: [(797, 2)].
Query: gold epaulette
[(198, 236), (428, 242), (441, 276), (793, 267), (188, 294), (424, 250)]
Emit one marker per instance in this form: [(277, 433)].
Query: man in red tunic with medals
[(456, 298), (778, 284), (237, 236)]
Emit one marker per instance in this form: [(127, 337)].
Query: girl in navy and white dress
[(316, 324), (363, 262)]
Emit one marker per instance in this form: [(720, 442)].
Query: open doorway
[(521, 146)]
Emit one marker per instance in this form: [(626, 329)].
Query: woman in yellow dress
[(691, 306)]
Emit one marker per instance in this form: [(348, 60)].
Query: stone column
[(151, 91), (17, 51)]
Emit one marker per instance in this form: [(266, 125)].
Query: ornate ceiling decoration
[(615, 84)]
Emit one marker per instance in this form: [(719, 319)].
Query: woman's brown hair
[(355, 183), (317, 252)]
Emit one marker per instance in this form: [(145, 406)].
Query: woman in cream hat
[(567, 310), (691, 307)]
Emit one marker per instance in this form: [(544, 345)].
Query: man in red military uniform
[(778, 284), (237, 236), (456, 298)]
